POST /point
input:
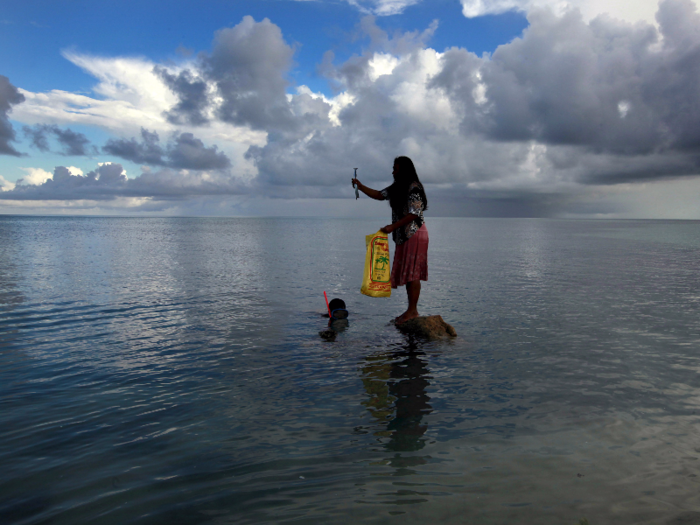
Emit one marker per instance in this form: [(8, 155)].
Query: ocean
[(170, 370)]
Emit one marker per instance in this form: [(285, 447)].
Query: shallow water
[(170, 371)]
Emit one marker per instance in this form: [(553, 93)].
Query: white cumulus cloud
[(630, 11), (6, 185), (382, 7), (638, 10)]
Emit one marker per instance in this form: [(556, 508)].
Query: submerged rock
[(429, 326)]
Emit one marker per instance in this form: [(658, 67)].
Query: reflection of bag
[(377, 279)]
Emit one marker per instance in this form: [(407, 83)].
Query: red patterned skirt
[(411, 259)]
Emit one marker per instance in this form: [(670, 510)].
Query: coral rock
[(431, 327)]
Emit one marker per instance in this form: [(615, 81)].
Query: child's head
[(336, 303), (338, 310)]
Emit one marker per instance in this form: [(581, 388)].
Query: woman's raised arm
[(374, 194)]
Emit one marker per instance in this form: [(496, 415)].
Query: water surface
[(170, 371)]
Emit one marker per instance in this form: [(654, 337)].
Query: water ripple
[(169, 370)]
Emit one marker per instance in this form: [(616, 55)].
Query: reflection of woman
[(397, 386), (408, 202)]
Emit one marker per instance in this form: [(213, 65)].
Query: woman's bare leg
[(413, 292)]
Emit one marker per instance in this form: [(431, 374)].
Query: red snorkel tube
[(327, 306)]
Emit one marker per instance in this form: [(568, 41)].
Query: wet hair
[(405, 176), (338, 310), (336, 304)]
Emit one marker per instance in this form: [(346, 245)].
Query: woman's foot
[(406, 316)]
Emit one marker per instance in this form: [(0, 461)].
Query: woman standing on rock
[(408, 202)]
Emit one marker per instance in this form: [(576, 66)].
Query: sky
[(508, 108)]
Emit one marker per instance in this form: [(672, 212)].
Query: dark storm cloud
[(193, 96), (185, 151), (605, 170), (565, 81), (247, 67), (73, 143), (188, 152), (460, 201), (108, 181), (37, 136), (9, 96), (147, 151), (606, 86)]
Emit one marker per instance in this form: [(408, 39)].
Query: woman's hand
[(387, 229), (374, 194)]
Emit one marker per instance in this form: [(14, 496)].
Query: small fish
[(357, 192)]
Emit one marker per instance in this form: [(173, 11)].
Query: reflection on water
[(396, 383), (170, 371)]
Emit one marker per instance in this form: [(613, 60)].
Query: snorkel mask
[(339, 313)]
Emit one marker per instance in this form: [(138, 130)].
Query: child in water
[(338, 320), (338, 310)]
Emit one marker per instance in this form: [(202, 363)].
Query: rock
[(430, 326)]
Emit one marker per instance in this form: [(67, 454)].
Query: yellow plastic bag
[(377, 279)]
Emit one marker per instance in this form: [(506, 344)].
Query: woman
[(408, 202)]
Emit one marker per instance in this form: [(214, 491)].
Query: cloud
[(572, 109), (37, 136), (131, 97), (74, 143), (148, 151), (64, 185), (563, 83), (623, 10), (382, 7), (610, 89), (9, 96), (6, 185), (247, 71), (129, 80), (188, 152), (637, 11), (183, 152), (122, 107), (36, 176), (193, 95), (536, 129), (379, 7), (570, 103), (109, 182), (393, 107)]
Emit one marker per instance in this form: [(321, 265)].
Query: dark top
[(414, 205)]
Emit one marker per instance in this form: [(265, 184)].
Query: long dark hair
[(405, 176)]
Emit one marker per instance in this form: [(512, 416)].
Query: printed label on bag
[(379, 272), (376, 281)]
